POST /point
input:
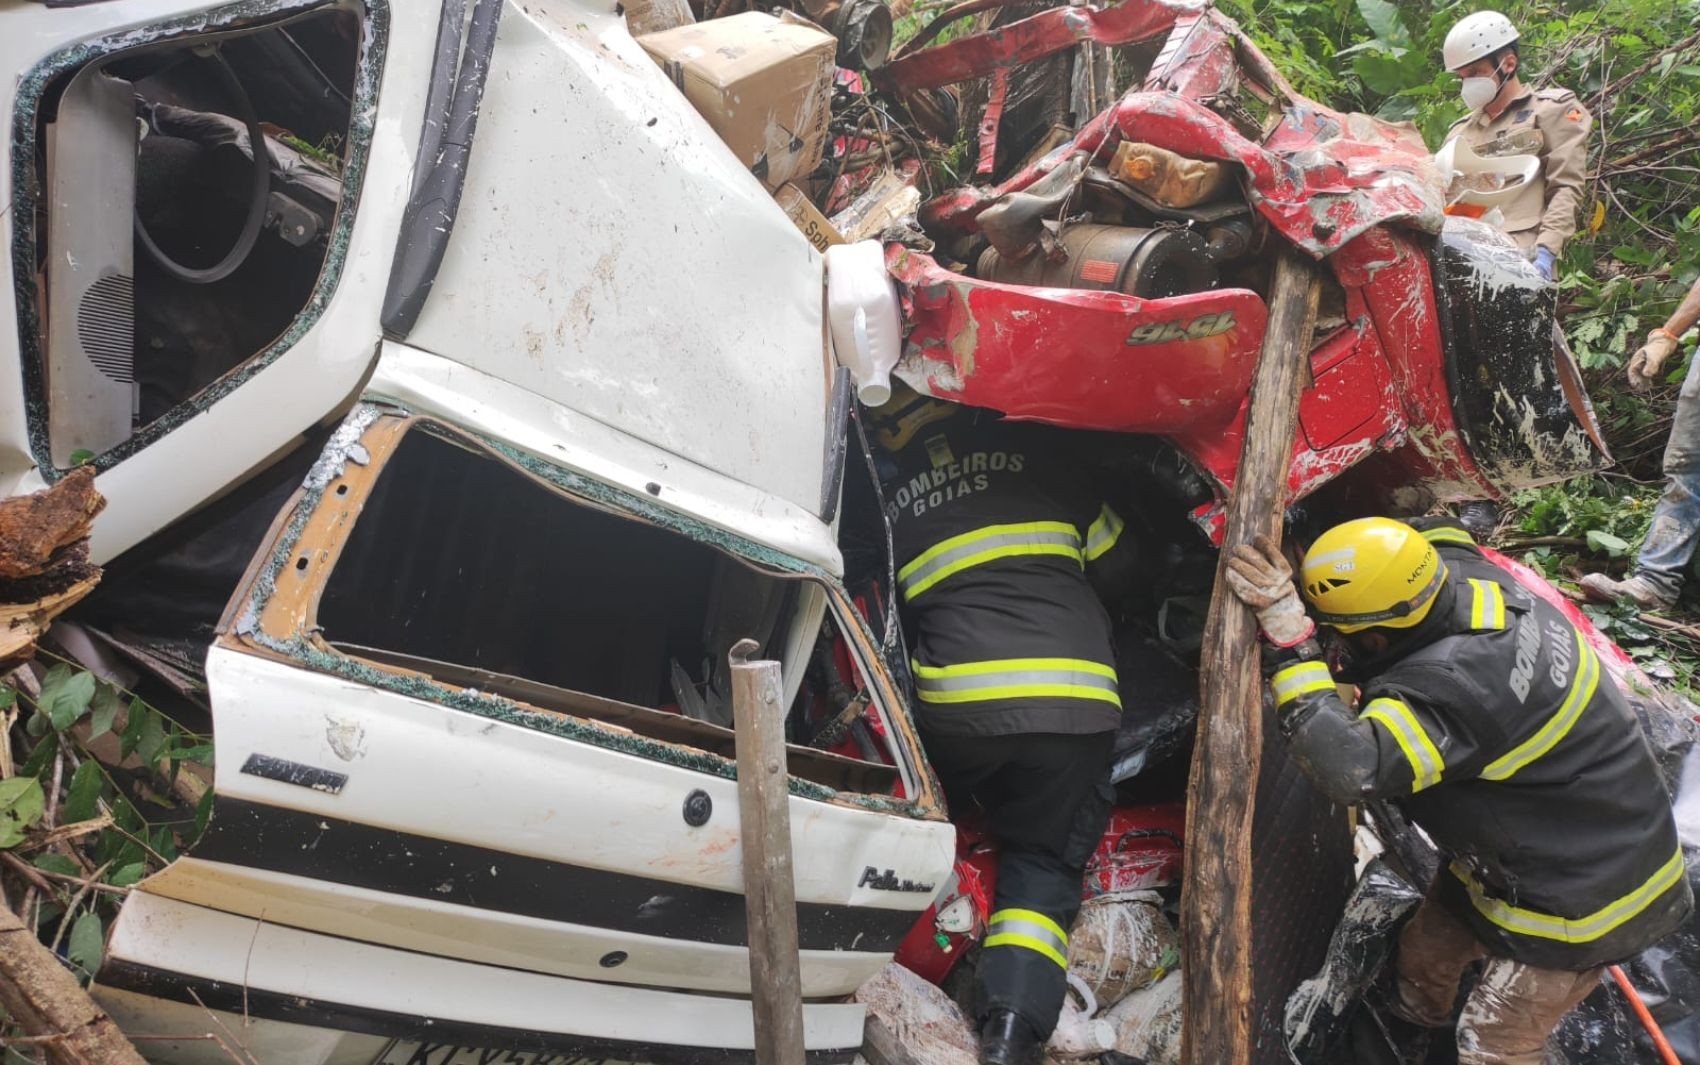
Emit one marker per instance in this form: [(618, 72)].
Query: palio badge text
[(889, 881)]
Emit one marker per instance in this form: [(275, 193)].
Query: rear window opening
[(466, 569), (168, 257)]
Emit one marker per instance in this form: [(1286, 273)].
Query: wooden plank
[(45, 1000), (1216, 893), (770, 891)]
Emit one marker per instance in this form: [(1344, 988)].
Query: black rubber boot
[(1007, 1039)]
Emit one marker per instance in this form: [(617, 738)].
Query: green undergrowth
[(94, 799)]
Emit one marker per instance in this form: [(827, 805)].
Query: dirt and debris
[(35, 529), (1121, 943), (921, 1017), (1123, 992), (44, 559)]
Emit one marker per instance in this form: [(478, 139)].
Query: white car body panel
[(612, 254), (267, 958), (320, 372), (491, 407), (635, 273), (619, 298), (513, 796)]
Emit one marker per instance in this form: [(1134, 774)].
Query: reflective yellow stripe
[(1017, 678), (1408, 733), (1104, 533), (980, 546), (1016, 939), (1487, 605), (1300, 679), (1578, 929), (1559, 724), (1030, 929), (1035, 917), (1448, 536)]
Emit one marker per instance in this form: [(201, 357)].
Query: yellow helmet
[(898, 419), (1372, 571)]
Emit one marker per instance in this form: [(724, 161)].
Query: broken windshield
[(427, 557), (462, 559)]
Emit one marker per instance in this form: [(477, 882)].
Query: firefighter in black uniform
[(1495, 726), (994, 531)]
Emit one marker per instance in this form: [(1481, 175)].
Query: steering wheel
[(260, 192)]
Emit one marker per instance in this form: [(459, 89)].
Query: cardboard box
[(808, 218), (763, 83)]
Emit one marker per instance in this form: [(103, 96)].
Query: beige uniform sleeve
[(1566, 124)]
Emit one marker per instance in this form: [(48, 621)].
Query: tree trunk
[(1216, 897), (44, 999)]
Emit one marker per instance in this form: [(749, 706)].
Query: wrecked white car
[(481, 518)]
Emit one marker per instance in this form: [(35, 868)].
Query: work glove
[(1645, 364), (1262, 580), (1545, 262)]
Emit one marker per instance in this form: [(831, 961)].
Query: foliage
[(1609, 516), (1636, 66), (912, 18), (99, 799)]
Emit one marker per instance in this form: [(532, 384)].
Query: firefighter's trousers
[(1047, 798), (1511, 1012)]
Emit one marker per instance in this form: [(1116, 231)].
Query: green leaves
[(126, 875), (1615, 546), (1384, 22), (1636, 255), (1387, 74), (21, 806), (72, 711), (65, 694), (107, 702), (88, 938), (82, 798), (152, 738), (144, 733), (56, 863)]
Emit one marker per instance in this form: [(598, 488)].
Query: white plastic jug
[(861, 304)]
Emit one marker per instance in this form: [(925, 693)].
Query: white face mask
[(1479, 92)]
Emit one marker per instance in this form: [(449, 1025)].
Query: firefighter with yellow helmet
[(1487, 717)]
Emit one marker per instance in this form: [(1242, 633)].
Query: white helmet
[(1475, 36)]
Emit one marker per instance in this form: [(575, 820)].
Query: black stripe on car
[(258, 1002), (298, 843)]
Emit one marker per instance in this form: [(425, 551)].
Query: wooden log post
[(1216, 893), (770, 891), (45, 1000)]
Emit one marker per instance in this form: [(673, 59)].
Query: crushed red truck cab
[(1069, 293), (1113, 277)]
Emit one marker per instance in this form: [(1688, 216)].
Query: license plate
[(400, 1053)]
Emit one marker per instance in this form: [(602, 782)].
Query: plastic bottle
[(1172, 180), (861, 304)]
